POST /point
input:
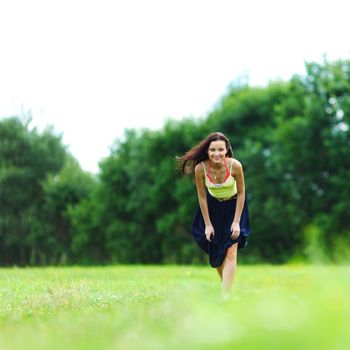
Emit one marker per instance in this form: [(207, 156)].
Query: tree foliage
[(38, 181)]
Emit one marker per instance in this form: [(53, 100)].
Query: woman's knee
[(231, 253)]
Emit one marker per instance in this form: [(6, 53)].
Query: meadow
[(175, 307)]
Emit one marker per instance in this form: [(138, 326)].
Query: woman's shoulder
[(234, 163), (199, 168)]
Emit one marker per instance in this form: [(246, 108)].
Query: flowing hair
[(199, 153)]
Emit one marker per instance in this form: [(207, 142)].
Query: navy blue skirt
[(221, 215)]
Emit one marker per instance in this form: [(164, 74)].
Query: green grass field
[(175, 307)]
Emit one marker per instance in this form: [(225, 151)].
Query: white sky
[(94, 68)]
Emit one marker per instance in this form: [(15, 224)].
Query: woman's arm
[(202, 199), (238, 171)]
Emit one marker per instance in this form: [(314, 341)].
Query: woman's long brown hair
[(199, 153)]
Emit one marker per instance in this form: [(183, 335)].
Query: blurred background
[(98, 98)]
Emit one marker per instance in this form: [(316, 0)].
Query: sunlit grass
[(175, 307)]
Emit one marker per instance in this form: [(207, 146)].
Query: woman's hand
[(209, 231), (235, 230)]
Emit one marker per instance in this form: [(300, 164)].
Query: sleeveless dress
[(221, 212)]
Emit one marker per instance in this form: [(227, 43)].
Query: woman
[(221, 223)]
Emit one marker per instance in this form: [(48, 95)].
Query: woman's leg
[(229, 267)]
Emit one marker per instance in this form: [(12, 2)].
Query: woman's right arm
[(202, 199)]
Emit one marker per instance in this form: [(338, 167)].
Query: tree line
[(292, 138)]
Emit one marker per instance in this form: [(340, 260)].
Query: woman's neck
[(216, 166)]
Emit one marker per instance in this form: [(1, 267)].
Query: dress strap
[(209, 177), (226, 166), (234, 175), (205, 172)]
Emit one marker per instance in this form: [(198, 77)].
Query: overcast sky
[(94, 68)]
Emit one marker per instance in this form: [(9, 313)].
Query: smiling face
[(217, 151)]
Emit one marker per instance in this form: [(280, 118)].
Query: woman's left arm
[(238, 171)]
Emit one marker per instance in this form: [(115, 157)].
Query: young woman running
[(221, 222)]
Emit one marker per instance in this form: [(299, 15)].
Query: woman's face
[(217, 151)]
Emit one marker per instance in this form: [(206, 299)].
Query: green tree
[(39, 183), (62, 192), (26, 158)]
